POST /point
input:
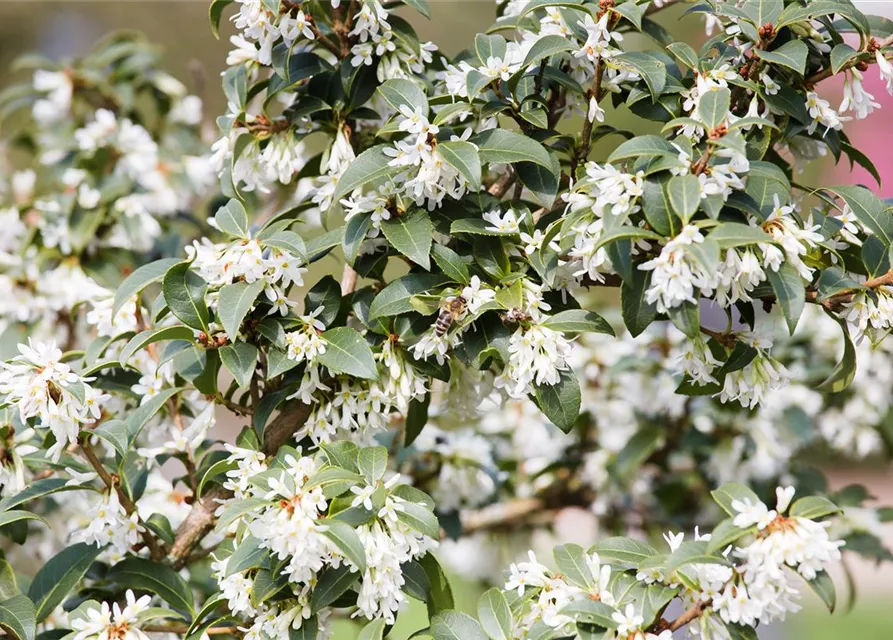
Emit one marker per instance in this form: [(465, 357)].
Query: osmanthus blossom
[(112, 622), (677, 274), (39, 385)]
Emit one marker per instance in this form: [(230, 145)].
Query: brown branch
[(113, 483), (348, 280), (201, 519), (502, 185), (581, 153), (181, 629), (500, 515), (689, 616)]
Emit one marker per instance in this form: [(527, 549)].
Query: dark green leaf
[(347, 352)]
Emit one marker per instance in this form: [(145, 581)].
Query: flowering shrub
[(456, 392)]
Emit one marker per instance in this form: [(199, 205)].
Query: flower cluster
[(42, 387)]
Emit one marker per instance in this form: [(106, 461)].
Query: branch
[(201, 519), (689, 616), (501, 515), (181, 629), (114, 484), (501, 186), (348, 280)]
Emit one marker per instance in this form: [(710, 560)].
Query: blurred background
[(180, 28)]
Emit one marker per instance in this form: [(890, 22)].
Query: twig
[(181, 629), (689, 616), (348, 280), (201, 519), (582, 152), (114, 484), (502, 185), (500, 515)]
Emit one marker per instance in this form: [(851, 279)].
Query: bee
[(452, 310)]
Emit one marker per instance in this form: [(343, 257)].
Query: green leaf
[(38, 489), (638, 314), (685, 54), (724, 534), (542, 182), (649, 67), (643, 147), (332, 584), (142, 414), (571, 561), (287, 242), (235, 86), (215, 12), (348, 542), (16, 515), (841, 55), (17, 618), (560, 402), (232, 219), (495, 615), (450, 263), (399, 92), (546, 47), (347, 352), (440, 590), (326, 294), (869, 210), (623, 232), (139, 280), (463, 157), (845, 370), (786, 100), (818, 8), (240, 359), (685, 194), (487, 46), (454, 625), (248, 555), (791, 54), (422, 7), (591, 612), (371, 165), (355, 232), (475, 226), (160, 579), (59, 576), (500, 146), (411, 234), (395, 298), (624, 551), (373, 631), (731, 491), (578, 320), (824, 588), (145, 338), (761, 12), (420, 519), (813, 508), (789, 292), (713, 107), (234, 303), (692, 552), (373, 462), (184, 293), (632, 12), (737, 234)]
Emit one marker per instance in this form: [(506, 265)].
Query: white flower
[(505, 223), (885, 69), (526, 574), (752, 513), (476, 295), (628, 621)]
